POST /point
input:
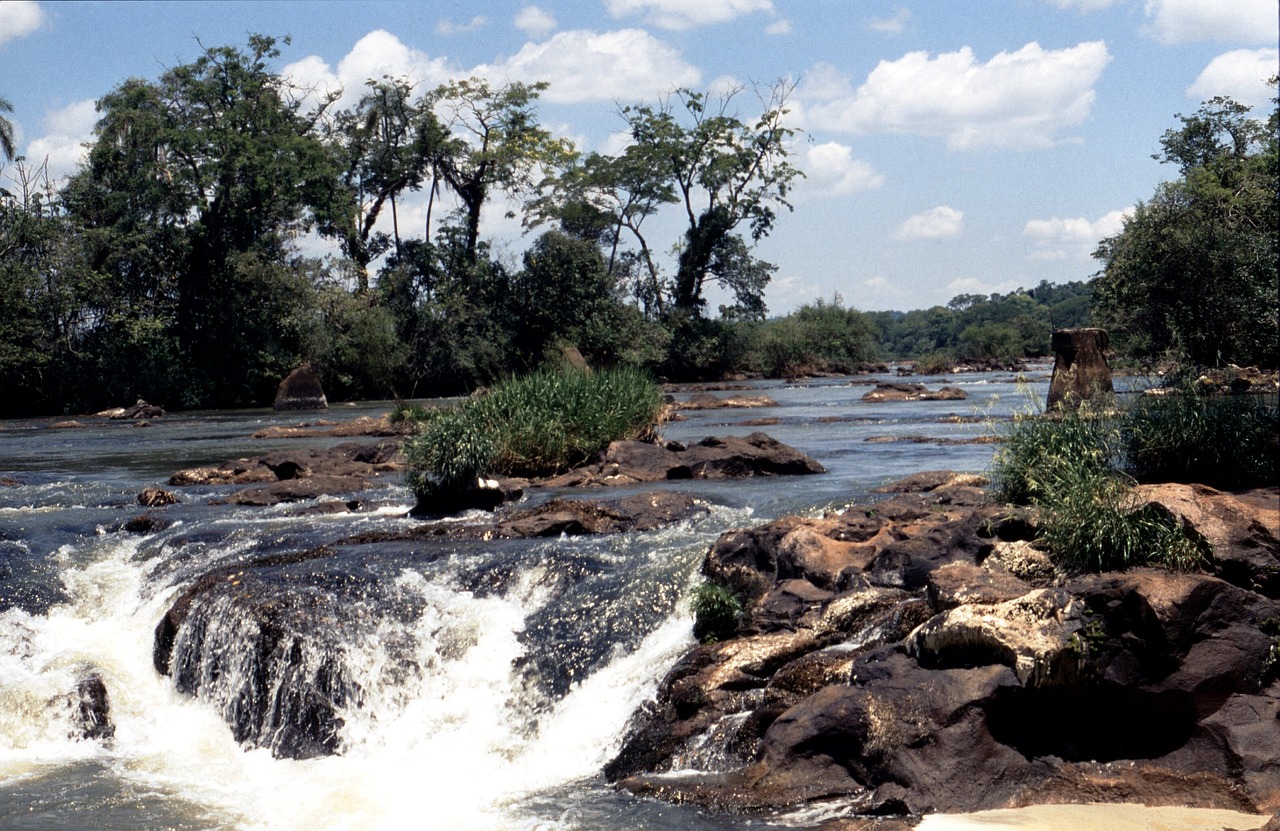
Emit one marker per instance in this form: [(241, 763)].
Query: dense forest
[(169, 266)]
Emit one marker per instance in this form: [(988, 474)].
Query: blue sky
[(950, 147)]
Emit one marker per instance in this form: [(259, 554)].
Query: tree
[(1193, 275), (192, 193), (495, 142), (7, 148), (388, 144), (724, 173)]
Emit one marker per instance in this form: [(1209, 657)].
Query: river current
[(490, 681)]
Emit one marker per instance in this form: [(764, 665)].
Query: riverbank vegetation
[(226, 227), (1080, 467)]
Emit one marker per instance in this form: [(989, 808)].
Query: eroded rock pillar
[(1080, 371)]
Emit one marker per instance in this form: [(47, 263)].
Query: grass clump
[(1067, 464), (538, 424), (716, 612), (1221, 441)]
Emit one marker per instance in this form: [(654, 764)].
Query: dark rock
[(156, 498), (91, 708), (302, 474), (297, 489), (896, 391), (146, 524), (1080, 371), (139, 410), (301, 390), (630, 462), (920, 654)]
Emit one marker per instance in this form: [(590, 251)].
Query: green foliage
[(998, 326), (822, 336), (538, 424), (1091, 520), (1221, 441), (1193, 272), (935, 363), (716, 612)]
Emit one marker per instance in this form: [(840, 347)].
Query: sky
[(949, 147)]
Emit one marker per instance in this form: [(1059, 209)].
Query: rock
[(145, 524), (112, 412), (139, 410), (70, 424), (156, 498), (297, 489), (1080, 371), (301, 390), (359, 426), (707, 401), (9, 482), (91, 708), (931, 480), (354, 463), (919, 654), (631, 462), (895, 391), (1243, 529)]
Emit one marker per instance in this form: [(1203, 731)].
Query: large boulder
[(1080, 371), (301, 390)]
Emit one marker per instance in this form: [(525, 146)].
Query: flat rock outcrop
[(920, 654), (295, 475), (897, 391), (633, 462)]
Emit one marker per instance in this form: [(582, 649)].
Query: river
[(486, 683)]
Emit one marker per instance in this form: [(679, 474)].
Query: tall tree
[(194, 188), (725, 173), (1193, 273), (7, 148), (388, 144), (496, 143)]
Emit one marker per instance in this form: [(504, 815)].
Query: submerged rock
[(919, 655), (896, 391)]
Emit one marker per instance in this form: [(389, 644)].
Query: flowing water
[(480, 685)]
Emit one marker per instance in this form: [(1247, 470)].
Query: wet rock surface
[(632, 462), (291, 476), (918, 655)]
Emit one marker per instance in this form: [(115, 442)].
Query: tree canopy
[(1192, 276)]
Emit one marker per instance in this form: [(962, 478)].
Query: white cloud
[(1241, 74), (1020, 99), (894, 24), (376, 55), (683, 14), (535, 22), (942, 222), (19, 18), (1188, 21), (448, 27), (587, 66), (972, 285), (1060, 239), (66, 132), (831, 170), (778, 27)]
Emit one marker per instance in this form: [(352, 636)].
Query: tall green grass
[(539, 424), (1068, 464), (1222, 441)]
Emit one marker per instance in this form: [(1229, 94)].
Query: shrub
[(935, 363), (1038, 450), (716, 612), (1221, 441), (538, 424)]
